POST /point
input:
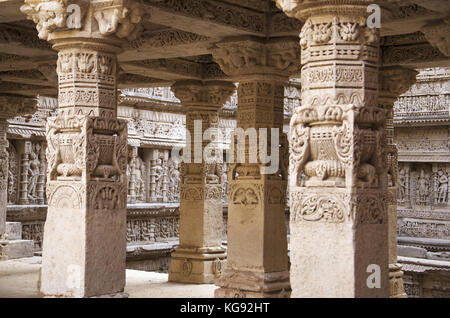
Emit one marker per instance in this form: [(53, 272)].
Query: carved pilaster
[(393, 81), (132, 182), (337, 141), (200, 253), (25, 167), (86, 148), (40, 184), (3, 176), (257, 263)]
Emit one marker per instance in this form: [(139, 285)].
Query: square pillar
[(393, 81), (257, 263), (84, 248), (200, 256), (339, 223)]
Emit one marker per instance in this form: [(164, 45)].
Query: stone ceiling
[(178, 35)]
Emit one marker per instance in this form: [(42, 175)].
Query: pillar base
[(11, 244), (197, 265), (116, 295), (248, 284), (397, 289), (16, 249)]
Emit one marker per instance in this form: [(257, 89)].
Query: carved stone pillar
[(132, 183), (84, 247), (257, 262), (393, 81), (10, 106), (200, 256), (25, 165), (40, 187), (3, 175), (339, 225)]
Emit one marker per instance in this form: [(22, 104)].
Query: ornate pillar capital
[(250, 57), (62, 20), (12, 106), (198, 93), (303, 9), (437, 33), (394, 81)]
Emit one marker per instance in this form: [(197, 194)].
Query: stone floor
[(18, 278)]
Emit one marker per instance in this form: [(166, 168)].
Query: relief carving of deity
[(174, 180), (13, 172), (33, 174), (422, 188), (402, 185), (140, 182), (442, 187)]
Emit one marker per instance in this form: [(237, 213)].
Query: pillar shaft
[(3, 176), (257, 263), (84, 245), (393, 81), (338, 217), (84, 248), (200, 256)]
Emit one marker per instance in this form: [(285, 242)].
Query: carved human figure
[(159, 173), (401, 185), (140, 184), (33, 170), (212, 172), (174, 180), (443, 187), (422, 185)]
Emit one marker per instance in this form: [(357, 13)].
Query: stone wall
[(423, 139)]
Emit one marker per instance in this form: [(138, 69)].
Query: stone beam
[(22, 41), (10, 11), (282, 25), (13, 62), (421, 55), (174, 69), (26, 89), (207, 17), (127, 80), (169, 69), (407, 18), (165, 44)]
